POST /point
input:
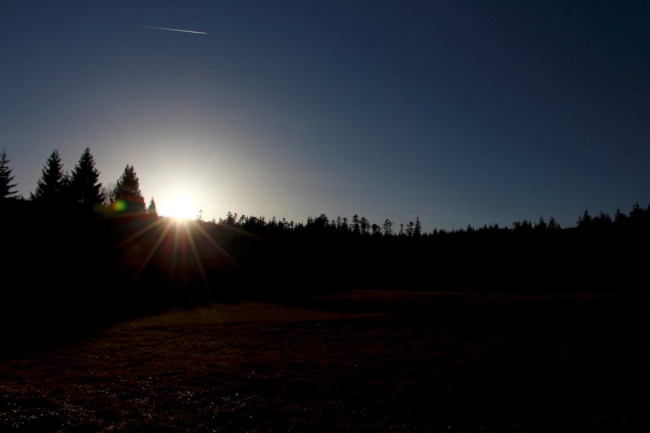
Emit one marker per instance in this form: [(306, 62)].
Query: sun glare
[(180, 206)]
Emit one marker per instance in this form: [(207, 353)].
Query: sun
[(179, 206)]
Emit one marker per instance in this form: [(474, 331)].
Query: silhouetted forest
[(77, 252)]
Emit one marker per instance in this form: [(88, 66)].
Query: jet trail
[(174, 30)]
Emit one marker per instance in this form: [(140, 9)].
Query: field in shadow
[(361, 361)]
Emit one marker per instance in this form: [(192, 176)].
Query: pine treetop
[(7, 188)]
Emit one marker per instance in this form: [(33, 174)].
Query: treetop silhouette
[(86, 190), (127, 196), (51, 187), (7, 188)]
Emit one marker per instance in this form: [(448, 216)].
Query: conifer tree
[(356, 227), (553, 224), (410, 228), (388, 227), (151, 209), (7, 188), (127, 191), (51, 187), (364, 225), (417, 230), (86, 189), (585, 221)]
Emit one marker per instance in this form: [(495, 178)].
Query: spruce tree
[(7, 188), (151, 209), (127, 194), (417, 230), (388, 227), (86, 189), (51, 187), (553, 224)]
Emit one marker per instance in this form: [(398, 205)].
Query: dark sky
[(459, 112)]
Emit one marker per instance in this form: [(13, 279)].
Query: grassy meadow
[(359, 361)]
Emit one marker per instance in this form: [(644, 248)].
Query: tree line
[(79, 188), (82, 189)]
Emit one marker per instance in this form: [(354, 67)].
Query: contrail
[(174, 30)]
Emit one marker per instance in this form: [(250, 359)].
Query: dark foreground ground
[(354, 362)]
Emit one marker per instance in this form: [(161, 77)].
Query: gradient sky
[(459, 112)]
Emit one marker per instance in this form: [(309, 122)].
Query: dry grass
[(360, 361)]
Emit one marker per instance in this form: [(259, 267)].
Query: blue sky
[(457, 112)]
